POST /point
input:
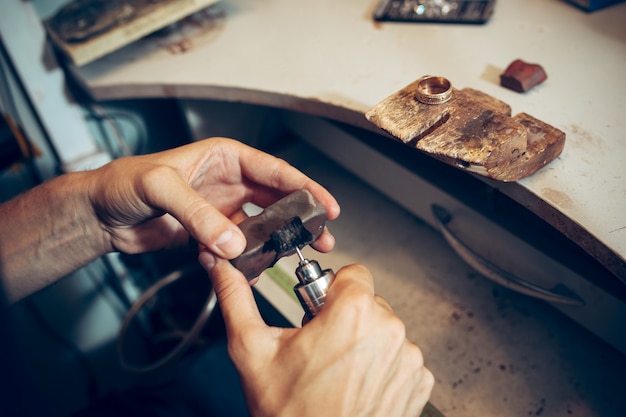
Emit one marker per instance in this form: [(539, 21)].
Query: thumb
[(234, 295), (200, 218)]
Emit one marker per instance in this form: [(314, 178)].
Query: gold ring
[(433, 90)]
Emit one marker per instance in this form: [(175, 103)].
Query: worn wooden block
[(472, 131), (85, 30), (544, 143)]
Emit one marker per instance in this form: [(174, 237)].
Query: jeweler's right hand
[(353, 359)]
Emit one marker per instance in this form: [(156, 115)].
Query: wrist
[(86, 228), (71, 231), (47, 233)]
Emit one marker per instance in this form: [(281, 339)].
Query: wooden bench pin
[(468, 129)]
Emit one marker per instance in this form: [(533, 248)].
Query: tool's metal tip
[(299, 252)]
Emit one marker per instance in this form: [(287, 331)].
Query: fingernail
[(207, 260), (230, 243)]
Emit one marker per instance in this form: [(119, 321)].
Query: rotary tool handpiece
[(313, 286), (290, 223)]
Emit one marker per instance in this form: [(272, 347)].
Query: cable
[(99, 114), (139, 128), (186, 338), (105, 279)]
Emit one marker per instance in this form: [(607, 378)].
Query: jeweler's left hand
[(142, 204), (158, 201)]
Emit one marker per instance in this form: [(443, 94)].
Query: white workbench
[(330, 58)]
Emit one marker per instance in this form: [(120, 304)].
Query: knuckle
[(152, 178), (416, 356), (356, 270), (418, 352), (277, 177), (154, 173), (397, 330), (358, 302), (428, 380)]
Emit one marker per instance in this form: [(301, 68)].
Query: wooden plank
[(544, 144), (142, 18)]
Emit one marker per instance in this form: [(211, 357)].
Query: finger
[(352, 285), (238, 216), (325, 242), (167, 190), (356, 277), (234, 295), (404, 386), (352, 291), (422, 391), (384, 303), (423, 383), (275, 173)]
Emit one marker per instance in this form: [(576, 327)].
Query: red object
[(521, 76)]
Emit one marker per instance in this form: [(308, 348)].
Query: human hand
[(158, 201), (352, 359)]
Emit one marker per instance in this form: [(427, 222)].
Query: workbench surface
[(493, 352), (330, 58)]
